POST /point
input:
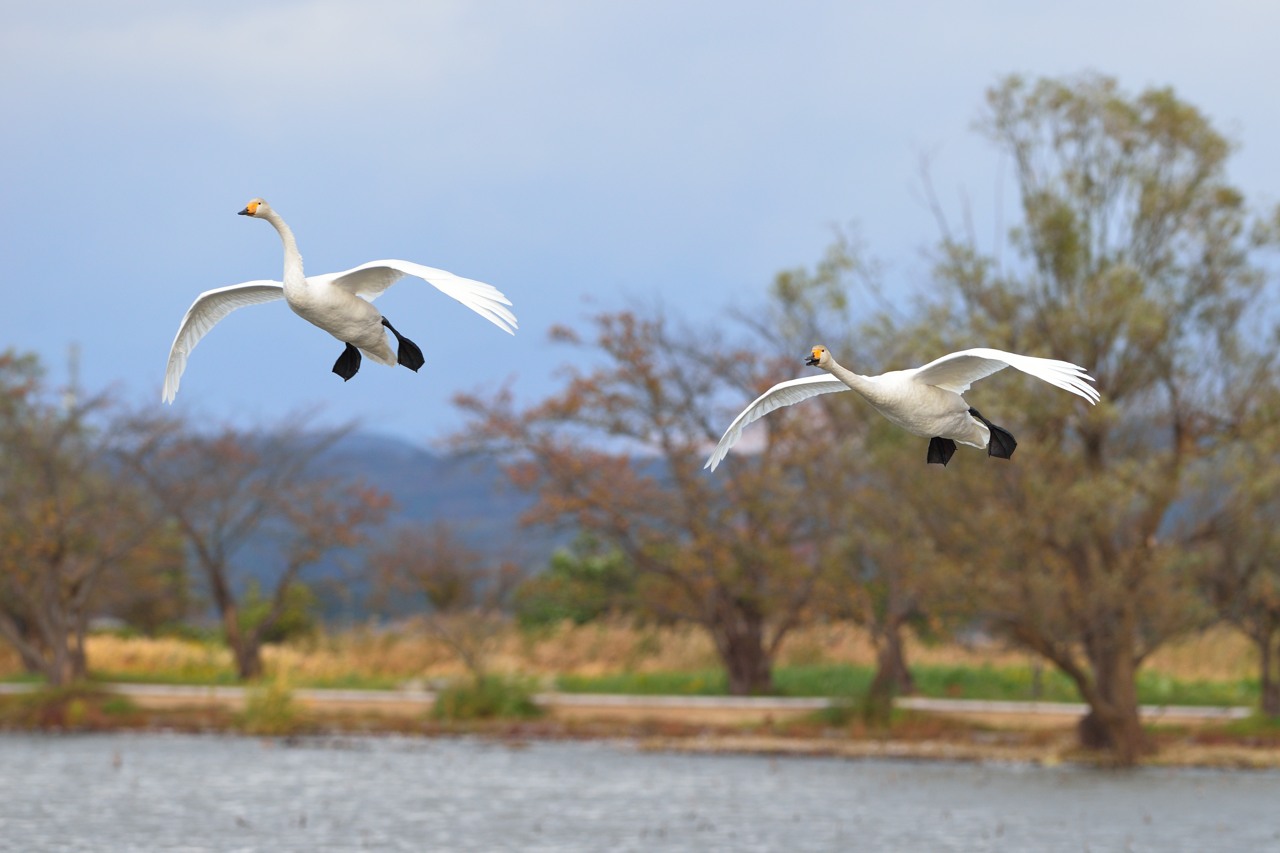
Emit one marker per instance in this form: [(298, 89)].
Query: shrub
[(270, 710), (487, 698), (78, 706)]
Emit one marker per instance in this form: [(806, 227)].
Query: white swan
[(333, 302), (925, 401)]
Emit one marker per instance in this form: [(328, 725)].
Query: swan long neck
[(293, 274), (862, 384)]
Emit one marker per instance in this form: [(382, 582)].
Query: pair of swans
[(926, 401)]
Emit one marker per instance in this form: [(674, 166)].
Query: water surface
[(216, 793)]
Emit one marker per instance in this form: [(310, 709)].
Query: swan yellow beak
[(813, 359), (250, 209)]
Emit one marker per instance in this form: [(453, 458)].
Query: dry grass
[(409, 652), (1215, 655)]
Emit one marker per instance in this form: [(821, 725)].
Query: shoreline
[(952, 731)]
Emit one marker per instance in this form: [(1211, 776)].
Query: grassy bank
[(956, 681), (836, 659), (829, 660)]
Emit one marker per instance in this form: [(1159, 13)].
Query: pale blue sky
[(575, 154)]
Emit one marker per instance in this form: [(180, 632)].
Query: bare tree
[(225, 489), (462, 592)]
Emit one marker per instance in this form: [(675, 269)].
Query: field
[(833, 659)]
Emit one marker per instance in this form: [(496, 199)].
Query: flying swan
[(925, 401), (338, 302)]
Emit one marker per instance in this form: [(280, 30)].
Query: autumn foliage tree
[(224, 489), (67, 519), (883, 571), (618, 453)]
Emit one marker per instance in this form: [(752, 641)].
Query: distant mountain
[(471, 494)]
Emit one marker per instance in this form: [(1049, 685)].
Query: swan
[(925, 401), (340, 303)]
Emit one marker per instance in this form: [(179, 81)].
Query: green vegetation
[(298, 619), (1258, 726), (488, 698), (950, 682), (585, 581), (271, 710), (76, 706)]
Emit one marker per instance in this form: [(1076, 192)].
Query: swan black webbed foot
[(407, 352), (348, 364), (1002, 443), (940, 451)]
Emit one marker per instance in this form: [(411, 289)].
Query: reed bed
[(409, 653)]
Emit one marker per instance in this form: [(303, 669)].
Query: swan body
[(926, 401), (341, 303)]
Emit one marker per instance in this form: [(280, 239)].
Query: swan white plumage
[(340, 303), (925, 401)]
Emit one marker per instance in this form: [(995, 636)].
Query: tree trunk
[(893, 677), (741, 647), (1269, 672), (1113, 722), (59, 667), (892, 672), (749, 669), (248, 654), (245, 648)]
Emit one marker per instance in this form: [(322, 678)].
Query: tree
[(1236, 521), (66, 518), (1133, 258), (583, 582), (224, 490), (151, 590), (883, 572), (463, 592), (618, 453)]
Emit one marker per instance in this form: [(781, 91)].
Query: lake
[(155, 792)]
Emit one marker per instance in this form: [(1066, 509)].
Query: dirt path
[(711, 710)]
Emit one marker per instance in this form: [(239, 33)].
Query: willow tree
[(1236, 522), (1133, 257)]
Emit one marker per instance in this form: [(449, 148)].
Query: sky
[(579, 155)]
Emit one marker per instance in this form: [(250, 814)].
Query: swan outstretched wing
[(957, 371), (783, 394), (371, 279), (210, 307)]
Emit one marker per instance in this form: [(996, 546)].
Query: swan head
[(819, 357), (257, 207)]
